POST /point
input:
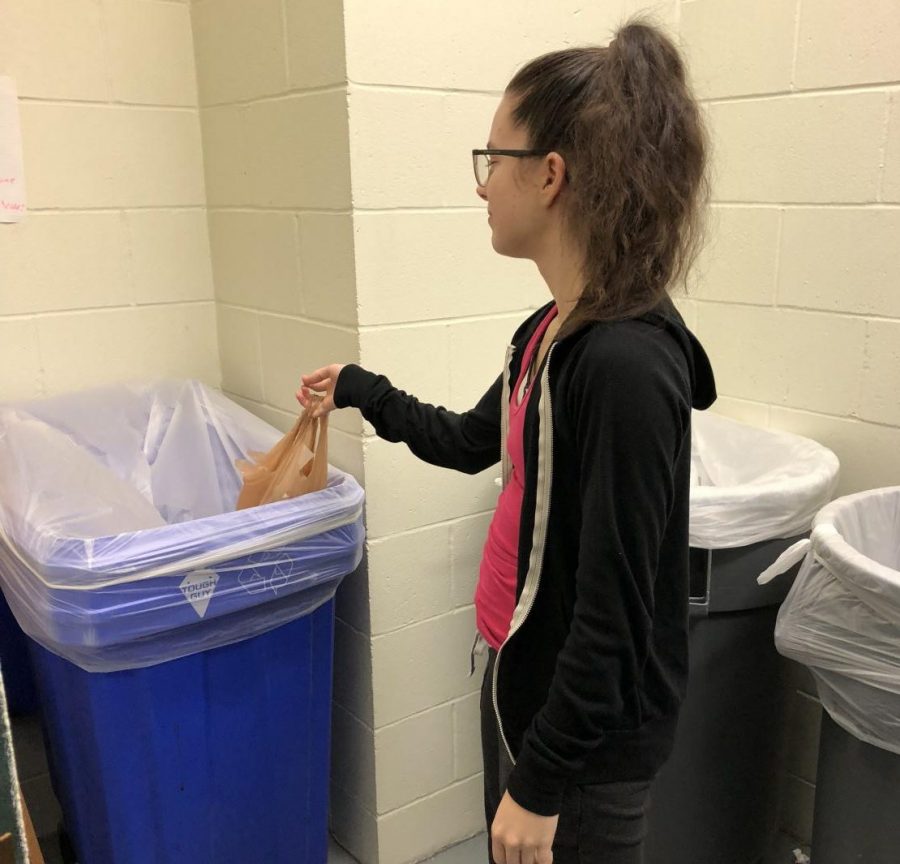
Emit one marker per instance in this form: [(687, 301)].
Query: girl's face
[(514, 214)]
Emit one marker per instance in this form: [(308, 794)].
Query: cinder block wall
[(273, 112), (109, 275), (797, 298)]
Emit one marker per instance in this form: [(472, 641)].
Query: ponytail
[(630, 131)]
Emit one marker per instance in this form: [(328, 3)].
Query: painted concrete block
[(440, 264), (448, 35), (414, 757), (72, 35), (722, 65), (738, 262), (239, 351), (807, 149), (315, 43), (151, 53), (111, 156), (256, 260), (840, 43), (430, 824), (85, 349), (296, 152), (353, 757), (409, 578), (804, 360), (422, 666), (239, 49), (170, 255), (56, 261), (20, 359), (406, 493), (842, 259), (327, 266), (415, 358), (881, 375), (353, 672)]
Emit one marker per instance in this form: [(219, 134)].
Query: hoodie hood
[(703, 382), (666, 315)]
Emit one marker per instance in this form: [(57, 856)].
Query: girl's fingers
[(498, 853), (323, 382), (316, 377), (319, 384)]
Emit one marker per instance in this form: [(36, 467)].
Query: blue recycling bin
[(221, 756), (18, 675), (182, 650)]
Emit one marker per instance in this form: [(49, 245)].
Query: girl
[(594, 170)]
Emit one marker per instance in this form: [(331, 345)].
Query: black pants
[(598, 824)]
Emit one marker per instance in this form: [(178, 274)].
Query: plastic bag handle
[(784, 561)]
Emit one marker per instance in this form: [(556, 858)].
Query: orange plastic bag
[(297, 464)]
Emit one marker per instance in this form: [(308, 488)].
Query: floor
[(35, 781)]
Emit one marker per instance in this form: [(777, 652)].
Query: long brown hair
[(629, 129)]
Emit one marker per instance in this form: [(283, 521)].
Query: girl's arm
[(468, 441)]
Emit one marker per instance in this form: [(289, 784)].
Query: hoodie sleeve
[(468, 441), (629, 400)]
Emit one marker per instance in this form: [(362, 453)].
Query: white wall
[(108, 276)]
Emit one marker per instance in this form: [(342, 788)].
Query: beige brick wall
[(796, 294), (109, 275), (273, 109)]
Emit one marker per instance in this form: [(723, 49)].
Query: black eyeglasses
[(481, 160)]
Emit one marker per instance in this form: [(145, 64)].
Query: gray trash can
[(842, 619), (718, 795), (754, 494), (857, 800)]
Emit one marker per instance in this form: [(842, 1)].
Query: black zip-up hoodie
[(588, 684)]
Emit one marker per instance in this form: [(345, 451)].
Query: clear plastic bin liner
[(750, 484), (119, 543), (842, 615)]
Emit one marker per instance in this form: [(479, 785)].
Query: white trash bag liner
[(119, 543), (750, 484), (842, 615)]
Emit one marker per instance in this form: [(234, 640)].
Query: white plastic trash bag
[(842, 615), (120, 546), (750, 484)]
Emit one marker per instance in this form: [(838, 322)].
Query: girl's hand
[(519, 836), (323, 381)]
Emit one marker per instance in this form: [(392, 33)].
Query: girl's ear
[(554, 177)]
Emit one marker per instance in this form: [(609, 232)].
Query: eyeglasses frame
[(494, 151)]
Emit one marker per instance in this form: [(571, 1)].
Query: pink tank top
[(495, 594)]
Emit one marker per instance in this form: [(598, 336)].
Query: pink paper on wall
[(12, 176)]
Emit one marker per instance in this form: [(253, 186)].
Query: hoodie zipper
[(539, 532)]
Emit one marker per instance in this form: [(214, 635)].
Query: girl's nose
[(480, 192)]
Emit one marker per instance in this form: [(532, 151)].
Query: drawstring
[(478, 647)]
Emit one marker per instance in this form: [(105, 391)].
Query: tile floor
[(35, 781)]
